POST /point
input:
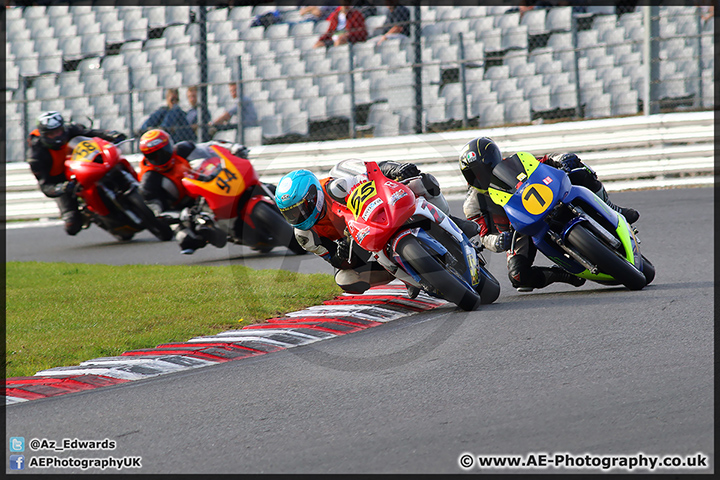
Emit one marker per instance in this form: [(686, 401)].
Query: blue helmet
[(300, 198)]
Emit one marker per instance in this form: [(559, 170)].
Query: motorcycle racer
[(48, 152), (307, 202), (477, 160), (161, 170)]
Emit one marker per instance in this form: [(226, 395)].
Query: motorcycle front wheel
[(433, 273), (606, 259), (158, 228), (274, 225)]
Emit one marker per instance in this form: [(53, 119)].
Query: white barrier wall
[(630, 152)]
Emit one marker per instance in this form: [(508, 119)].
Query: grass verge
[(61, 314)]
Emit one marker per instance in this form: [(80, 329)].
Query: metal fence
[(461, 67)]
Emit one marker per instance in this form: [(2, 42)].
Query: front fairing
[(527, 190), (378, 207), (220, 178)]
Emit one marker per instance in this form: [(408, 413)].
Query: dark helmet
[(52, 130), (477, 160), (157, 146)]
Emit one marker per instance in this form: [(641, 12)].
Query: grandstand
[(480, 66)]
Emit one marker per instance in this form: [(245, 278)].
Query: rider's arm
[(109, 135), (40, 162), (326, 249), (476, 210)]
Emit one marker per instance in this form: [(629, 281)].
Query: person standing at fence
[(170, 118), (48, 151), (347, 25), (249, 115), (192, 113), (397, 23)]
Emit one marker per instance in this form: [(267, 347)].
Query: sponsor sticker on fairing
[(371, 208), (397, 196)]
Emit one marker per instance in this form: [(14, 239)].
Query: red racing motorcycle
[(108, 190), (232, 205), (416, 242)]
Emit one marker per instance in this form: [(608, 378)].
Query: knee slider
[(350, 281)]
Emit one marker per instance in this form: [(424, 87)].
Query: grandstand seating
[(516, 67)]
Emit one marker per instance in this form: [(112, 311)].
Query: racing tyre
[(433, 273), (648, 270), (606, 259), (156, 226), (272, 224), (488, 288)]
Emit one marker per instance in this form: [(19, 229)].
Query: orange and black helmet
[(157, 147)]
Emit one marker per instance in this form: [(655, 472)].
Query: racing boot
[(189, 241), (556, 274), (74, 222), (630, 214)]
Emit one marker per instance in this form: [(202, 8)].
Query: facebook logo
[(17, 444), (17, 462)]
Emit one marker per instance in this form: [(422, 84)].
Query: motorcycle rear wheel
[(156, 226), (433, 273), (606, 260)]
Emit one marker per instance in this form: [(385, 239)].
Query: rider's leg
[(525, 277), (359, 279), (70, 214)]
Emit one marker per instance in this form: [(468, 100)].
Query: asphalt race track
[(597, 371)]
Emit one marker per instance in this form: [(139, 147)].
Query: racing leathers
[(162, 187), (48, 166), (496, 235), (329, 238)]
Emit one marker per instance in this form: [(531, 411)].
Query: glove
[(503, 242), (116, 137), (399, 171), (563, 161), (405, 171), (240, 150), (342, 254)]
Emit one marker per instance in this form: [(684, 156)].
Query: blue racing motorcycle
[(568, 223)]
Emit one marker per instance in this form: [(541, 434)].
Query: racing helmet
[(157, 146), (300, 198), (52, 130), (477, 160)]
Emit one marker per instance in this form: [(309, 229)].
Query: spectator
[(527, 5), (397, 22), (267, 19), (192, 113), (347, 24), (708, 11), (316, 13), (170, 118), (249, 115), (366, 7)]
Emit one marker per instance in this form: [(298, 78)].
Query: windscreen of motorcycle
[(85, 149)]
